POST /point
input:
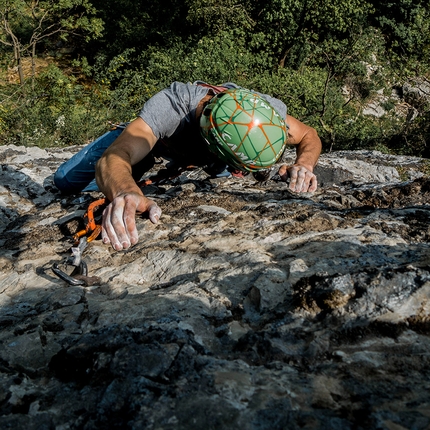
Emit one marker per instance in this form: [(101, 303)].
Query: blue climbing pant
[(78, 173)]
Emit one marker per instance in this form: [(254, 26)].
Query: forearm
[(114, 169), (114, 175), (308, 144), (308, 150)]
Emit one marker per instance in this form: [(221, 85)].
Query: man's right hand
[(115, 180), (119, 219)]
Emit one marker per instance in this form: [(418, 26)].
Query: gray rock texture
[(248, 306)]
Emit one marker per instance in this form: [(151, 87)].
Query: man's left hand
[(302, 180)]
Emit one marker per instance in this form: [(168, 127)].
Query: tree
[(405, 25), (26, 23), (131, 24), (293, 27)]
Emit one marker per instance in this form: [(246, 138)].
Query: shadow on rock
[(247, 306), (352, 345)]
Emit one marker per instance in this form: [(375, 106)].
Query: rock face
[(247, 306)]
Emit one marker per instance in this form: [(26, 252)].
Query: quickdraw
[(71, 280), (79, 275), (92, 229)]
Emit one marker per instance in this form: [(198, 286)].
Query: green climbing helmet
[(243, 130)]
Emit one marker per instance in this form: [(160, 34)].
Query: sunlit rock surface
[(247, 306)]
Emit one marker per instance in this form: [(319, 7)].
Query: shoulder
[(172, 108), (179, 96), (185, 92)]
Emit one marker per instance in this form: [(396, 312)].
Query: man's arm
[(114, 178), (308, 150)]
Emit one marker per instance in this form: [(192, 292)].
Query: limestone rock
[(247, 306)]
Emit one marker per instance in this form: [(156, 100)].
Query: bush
[(60, 111)]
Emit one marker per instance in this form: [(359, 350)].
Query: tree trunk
[(19, 64), (33, 64), (283, 58), (16, 51)]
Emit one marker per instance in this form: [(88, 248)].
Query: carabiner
[(83, 271)]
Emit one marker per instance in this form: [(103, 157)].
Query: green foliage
[(60, 112), (219, 58), (129, 96), (327, 61), (26, 24), (406, 26), (414, 136), (31, 21), (217, 16), (132, 25), (294, 26)]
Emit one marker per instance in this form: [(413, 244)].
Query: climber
[(223, 128)]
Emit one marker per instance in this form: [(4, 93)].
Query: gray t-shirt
[(171, 114)]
